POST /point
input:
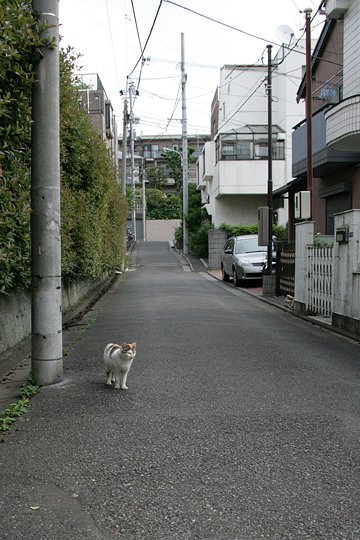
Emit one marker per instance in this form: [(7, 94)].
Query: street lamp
[(184, 165)]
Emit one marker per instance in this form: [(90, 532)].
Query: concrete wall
[(162, 230), (346, 271), (15, 310), (217, 239), (346, 290), (238, 209)]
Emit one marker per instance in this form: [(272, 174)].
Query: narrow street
[(241, 422)]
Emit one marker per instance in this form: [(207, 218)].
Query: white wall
[(246, 177), (346, 295), (162, 230), (351, 49), (238, 209)]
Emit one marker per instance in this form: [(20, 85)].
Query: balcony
[(335, 9), (246, 177), (326, 160), (343, 125)]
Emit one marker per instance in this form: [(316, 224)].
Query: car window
[(229, 244), (248, 245)]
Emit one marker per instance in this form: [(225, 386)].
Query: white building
[(232, 172)]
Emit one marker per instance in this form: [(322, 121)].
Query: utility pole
[(46, 317), (143, 197), (270, 181), (184, 151), (308, 99), (124, 148), (132, 160), (123, 169)]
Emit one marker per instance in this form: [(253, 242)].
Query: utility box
[(342, 235), (302, 205), (263, 223)]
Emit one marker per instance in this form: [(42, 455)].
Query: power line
[(112, 43), (136, 25), (147, 40), (219, 22), (248, 33)]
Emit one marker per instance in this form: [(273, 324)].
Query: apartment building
[(232, 171), (100, 110), (149, 152)]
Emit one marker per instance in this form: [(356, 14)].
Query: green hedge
[(237, 230), (93, 210)]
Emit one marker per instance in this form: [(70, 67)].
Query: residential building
[(100, 110), (149, 152), (335, 121), (232, 172)]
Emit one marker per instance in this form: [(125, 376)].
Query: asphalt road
[(241, 422)]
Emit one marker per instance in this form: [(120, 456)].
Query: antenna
[(285, 34)]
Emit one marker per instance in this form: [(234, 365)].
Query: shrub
[(237, 230), (198, 240), (93, 210)]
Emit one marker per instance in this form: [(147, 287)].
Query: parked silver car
[(243, 259)]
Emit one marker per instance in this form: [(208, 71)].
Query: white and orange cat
[(118, 360)]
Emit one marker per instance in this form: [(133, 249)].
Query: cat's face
[(128, 348)]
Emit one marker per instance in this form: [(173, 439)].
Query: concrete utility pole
[(46, 317), (132, 159), (123, 169), (143, 197), (184, 152), (124, 148), (270, 181), (308, 101)]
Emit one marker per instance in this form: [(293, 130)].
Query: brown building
[(99, 109), (149, 149), (336, 168)]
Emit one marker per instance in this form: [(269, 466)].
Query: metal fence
[(285, 269), (319, 280)]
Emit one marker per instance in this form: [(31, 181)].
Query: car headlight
[(244, 262)]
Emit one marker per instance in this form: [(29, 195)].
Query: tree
[(162, 206), (156, 177), (93, 210), (173, 162), (198, 225)]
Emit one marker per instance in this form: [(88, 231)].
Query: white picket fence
[(319, 280)]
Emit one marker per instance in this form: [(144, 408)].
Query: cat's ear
[(133, 345)]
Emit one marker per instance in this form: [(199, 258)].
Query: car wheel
[(225, 276), (236, 279)]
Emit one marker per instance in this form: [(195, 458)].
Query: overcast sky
[(108, 35)]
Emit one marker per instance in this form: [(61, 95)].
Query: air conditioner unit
[(302, 205), (335, 9), (280, 137)]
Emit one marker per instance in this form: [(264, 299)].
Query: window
[(108, 115), (151, 151), (249, 145)]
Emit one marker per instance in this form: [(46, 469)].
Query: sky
[(110, 35)]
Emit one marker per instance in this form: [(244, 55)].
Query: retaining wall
[(15, 310)]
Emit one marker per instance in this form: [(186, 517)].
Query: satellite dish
[(285, 34)]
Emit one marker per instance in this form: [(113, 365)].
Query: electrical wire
[(147, 40), (219, 22), (226, 120), (112, 43), (136, 25)]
